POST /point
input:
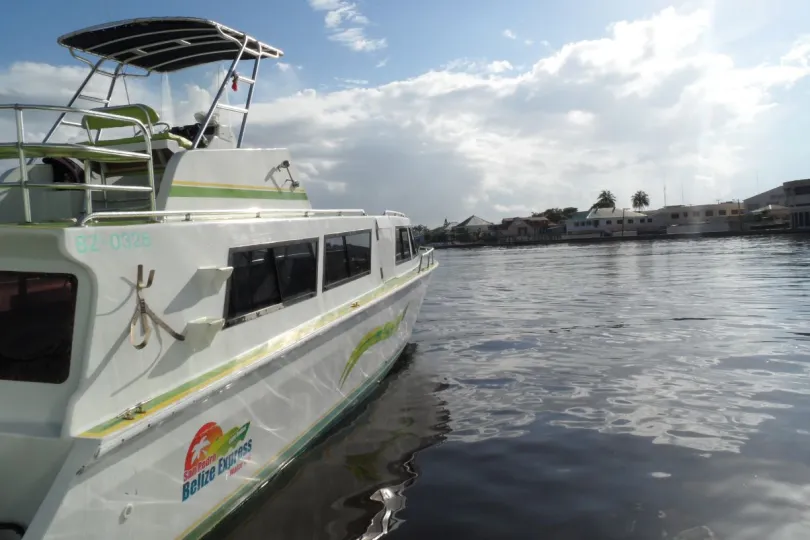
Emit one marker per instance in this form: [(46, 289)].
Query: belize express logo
[(212, 453)]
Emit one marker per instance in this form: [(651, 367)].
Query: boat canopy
[(166, 44)]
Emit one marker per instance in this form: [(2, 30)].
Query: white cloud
[(648, 100), (528, 41), (346, 25), (499, 66), (580, 118), (509, 34), (351, 83), (382, 63), (356, 40), (480, 66), (282, 66)]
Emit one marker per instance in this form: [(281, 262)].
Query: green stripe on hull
[(377, 335), (292, 451), (230, 193), (250, 357)]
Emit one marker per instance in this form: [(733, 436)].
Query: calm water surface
[(620, 391)]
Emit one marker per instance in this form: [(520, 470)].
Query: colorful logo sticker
[(376, 335), (212, 453)]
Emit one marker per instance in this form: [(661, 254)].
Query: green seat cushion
[(165, 136), (146, 114)]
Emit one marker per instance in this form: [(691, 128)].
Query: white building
[(797, 198), (772, 196), (474, 226), (609, 222), (712, 216)]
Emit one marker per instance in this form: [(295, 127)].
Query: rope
[(143, 313)]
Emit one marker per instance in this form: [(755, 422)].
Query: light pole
[(622, 222)]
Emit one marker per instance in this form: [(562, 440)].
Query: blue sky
[(420, 34), (442, 83)]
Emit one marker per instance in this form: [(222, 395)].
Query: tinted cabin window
[(335, 267), (37, 313), (254, 284), (348, 256), (297, 269), (413, 242), (403, 246), (267, 276), (358, 249)]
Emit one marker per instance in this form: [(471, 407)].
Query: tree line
[(606, 199)]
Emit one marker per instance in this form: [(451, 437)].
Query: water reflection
[(351, 483), (628, 391), (690, 356)]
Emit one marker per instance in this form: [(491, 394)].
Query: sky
[(447, 108)]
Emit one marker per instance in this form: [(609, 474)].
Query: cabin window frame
[(66, 361), (327, 287), (244, 317), (397, 234), (414, 249)]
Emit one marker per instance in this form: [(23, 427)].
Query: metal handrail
[(122, 155), (394, 213), (86, 187), (426, 252), (188, 215)]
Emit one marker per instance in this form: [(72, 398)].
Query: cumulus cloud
[(345, 24), (647, 100), (650, 99), (509, 34)]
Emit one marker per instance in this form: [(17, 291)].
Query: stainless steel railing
[(88, 154), (189, 215), (426, 253)]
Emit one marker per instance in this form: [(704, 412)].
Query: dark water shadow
[(350, 482)]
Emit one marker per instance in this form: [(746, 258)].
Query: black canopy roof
[(167, 43)]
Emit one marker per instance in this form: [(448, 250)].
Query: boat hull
[(180, 477)]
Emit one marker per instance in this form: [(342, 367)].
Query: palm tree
[(606, 199), (640, 200)]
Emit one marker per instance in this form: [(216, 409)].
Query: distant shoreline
[(572, 239)]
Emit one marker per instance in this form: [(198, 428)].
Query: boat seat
[(144, 113), (165, 136)]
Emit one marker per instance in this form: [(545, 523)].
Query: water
[(641, 390)]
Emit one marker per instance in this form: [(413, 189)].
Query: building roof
[(449, 226), (794, 183), (165, 44), (579, 215), (474, 221), (770, 193), (608, 213)]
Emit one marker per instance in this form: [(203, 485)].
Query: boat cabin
[(125, 157)]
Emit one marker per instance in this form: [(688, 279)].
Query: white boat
[(176, 322)]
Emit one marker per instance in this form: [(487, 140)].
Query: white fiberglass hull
[(172, 482)]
